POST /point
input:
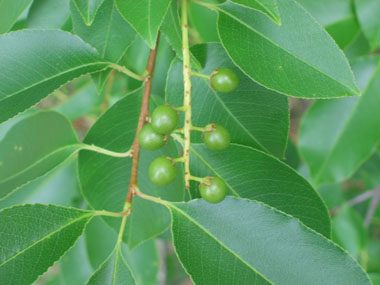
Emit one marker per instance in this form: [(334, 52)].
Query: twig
[(144, 113), (358, 199), (372, 208)]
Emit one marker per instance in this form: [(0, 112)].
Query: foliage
[(167, 141)]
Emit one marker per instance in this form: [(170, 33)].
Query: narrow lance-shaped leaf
[(268, 7), (254, 115), (88, 9), (254, 175), (114, 271), (33, 237), (10, 11), (368, 14), (105, 180), (33, 147), (350, 127), (245, 242), (297, 58), (30, 74), (145, 16)]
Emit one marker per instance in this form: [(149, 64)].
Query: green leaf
[(349, 231), (368, 14), (268, 7), (297, 58), (254, 115), (204, 22), (86, 101), (30, 74), (33, 147), (10, 11), (74, 266), (47, 14), (105, 180), (59, 187), (114, 270), (145, 16), (358, 47), (109, 33), (345, 143), (88, 9), (246, 242), (34, 237), (375, 277), (338, 18), (143, 260), (252, 174), (171, 28)]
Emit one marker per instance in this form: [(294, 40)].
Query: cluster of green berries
[(164, 120)]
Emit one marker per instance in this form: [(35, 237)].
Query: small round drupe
[(213, 189), (164, 119), (216, 137), (224, 80), (162, 171), (149, 139)]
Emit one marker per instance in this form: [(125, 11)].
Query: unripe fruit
[(149, 139), (216, 137), (162, 171), (213, 189), (224, 80), (164, 119)]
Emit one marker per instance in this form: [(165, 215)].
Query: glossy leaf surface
[(345, 143), (252, 174), (297, 58), (88, 9), (10, 10), (46, 14), (245, 242), (254, 116), (368, 15), (171, 28), (268, 7), (105, 179), (338, 18), (33, 147), (145, 16), (108, 33), (33, 237), (114, 271), (143, 260), (32, 74)]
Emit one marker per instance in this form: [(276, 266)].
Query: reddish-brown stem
[(144, 113)]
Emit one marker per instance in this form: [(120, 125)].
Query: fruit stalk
[(187, 91)]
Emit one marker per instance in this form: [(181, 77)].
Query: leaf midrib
[(171, 205), (286, 51), (79, 146), (55, 76), (45, 237)]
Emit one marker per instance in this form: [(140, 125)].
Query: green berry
[(224, 80), (213, 189), (216, 137), (162, 171), (164, 119), (149, 139)]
